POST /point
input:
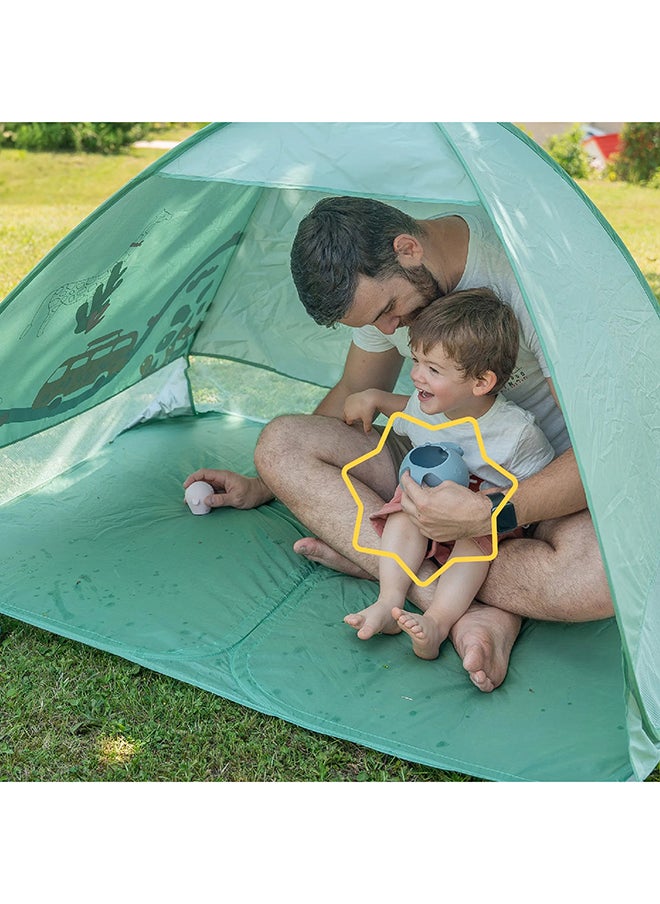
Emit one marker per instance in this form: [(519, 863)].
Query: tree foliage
[(94, 137), (568, 151), (638, 159)]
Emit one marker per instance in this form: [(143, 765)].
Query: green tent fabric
[(165, 329)]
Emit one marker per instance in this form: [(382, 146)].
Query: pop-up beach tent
[(162, 332)]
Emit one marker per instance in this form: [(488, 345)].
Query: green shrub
[(94, 137), (654, 181), (567, 150), (638, 159)]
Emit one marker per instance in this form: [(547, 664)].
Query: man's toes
[(482, 681)]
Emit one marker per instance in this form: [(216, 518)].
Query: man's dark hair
[(339, 240)]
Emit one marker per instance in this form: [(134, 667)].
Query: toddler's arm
[(364, 406)]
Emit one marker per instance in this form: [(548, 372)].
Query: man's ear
[(484, 383), (408, 250)]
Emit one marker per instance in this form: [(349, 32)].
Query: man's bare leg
[(556, 576), (484, 638), (564, 554), (318, 551), (300, 458)]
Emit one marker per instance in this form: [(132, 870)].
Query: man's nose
[(390, 325)]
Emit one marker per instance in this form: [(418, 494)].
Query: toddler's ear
[(485, 383)]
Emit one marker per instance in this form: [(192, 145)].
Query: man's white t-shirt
[(510, 435), (488, 266)]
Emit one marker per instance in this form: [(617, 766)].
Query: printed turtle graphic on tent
[(222, 602)]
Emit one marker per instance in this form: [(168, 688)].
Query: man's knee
[(275, 444), (559, 573), (578, 562)]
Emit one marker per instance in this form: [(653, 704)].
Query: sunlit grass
[(117, 750), (634, 213), (43, 196)]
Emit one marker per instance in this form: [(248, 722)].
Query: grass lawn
[(634, 212), (73, 713)]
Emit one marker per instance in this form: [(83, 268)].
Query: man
[(370, 266)]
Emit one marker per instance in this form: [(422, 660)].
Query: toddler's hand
[(360, 406)]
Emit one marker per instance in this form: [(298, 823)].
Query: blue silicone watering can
[(432, 463)]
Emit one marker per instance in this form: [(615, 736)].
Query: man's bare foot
[(375, 619), (425, 633), (483, 638), (317, 551)]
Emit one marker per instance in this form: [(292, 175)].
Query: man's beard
[(421, 278)]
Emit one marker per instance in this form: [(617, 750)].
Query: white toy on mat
[(196, 494)]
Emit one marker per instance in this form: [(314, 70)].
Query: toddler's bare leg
[(401, 537), (455, 590)]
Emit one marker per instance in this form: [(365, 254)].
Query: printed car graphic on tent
[(103, 358)]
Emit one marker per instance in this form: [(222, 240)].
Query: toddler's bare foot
[(426, 634), (375, 619)]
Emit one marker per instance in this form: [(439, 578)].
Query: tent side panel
[(121, 300), (600, 331)]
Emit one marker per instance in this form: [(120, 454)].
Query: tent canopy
[(165, 328)]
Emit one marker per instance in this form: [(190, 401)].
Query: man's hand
[(233, 490), (446, 512)]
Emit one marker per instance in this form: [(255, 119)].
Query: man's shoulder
[(370, 339), (478, 223), (507, 408), (508, 416)]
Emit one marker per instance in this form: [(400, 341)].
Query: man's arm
[(448, 512), (555, 491), (363, 370)]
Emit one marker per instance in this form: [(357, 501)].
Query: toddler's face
[(440, 384)]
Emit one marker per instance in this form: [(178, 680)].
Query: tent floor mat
[(109, 555)]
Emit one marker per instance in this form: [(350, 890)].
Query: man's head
[(345, 263), (476, 330)]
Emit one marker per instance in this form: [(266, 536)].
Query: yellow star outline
[(378, 449)]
